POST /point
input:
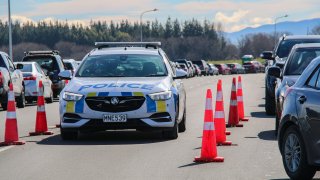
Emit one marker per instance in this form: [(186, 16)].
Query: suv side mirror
[(274, 71), (19, 66), (180, 74), (267, 55), (66, 75)]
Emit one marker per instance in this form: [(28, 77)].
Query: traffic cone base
[(215, 159), (40, 133), (58, 125), (228, 133), (244, 119), (239, 125), (12, 143), (226, 143)]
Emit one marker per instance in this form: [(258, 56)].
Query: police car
[(124, 86)]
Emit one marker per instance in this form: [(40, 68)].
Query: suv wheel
[(269, 103), (68, 135), (182, 124), (21, 100), (294, 155), (172, 133)]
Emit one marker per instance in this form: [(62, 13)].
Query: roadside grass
[(232, 61)]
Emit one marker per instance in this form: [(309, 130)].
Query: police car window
[(132, 65)]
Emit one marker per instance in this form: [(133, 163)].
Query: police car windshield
[(115, 65)]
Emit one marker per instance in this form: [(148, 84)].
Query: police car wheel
[(172, 133), (182, 124), (68, 135)]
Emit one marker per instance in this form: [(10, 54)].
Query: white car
[(124, 86), (32, 74)]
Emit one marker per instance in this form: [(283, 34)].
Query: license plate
[(115, 118)]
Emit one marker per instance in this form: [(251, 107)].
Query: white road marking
[(6, 148)]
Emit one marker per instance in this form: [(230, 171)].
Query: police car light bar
[(101, 45), (54, 52)]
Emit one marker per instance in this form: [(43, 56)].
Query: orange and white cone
[(233, 110), (240, 101), (219, 119), (41, 119), (209, 146), (11, 136)]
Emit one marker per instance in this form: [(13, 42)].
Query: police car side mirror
[(66, 75), (274, 71), (180, 74)]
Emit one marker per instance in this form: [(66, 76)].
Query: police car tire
[(68, 135), (182, 124), (172, 133)]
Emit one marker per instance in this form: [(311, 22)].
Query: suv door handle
[(302, 99)]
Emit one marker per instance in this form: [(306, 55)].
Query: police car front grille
[(103, 104)]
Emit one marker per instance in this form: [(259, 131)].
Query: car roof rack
[(53, 52), (101, 45)]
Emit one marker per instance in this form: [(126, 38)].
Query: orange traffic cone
[(219, 120), (240, 101), (209, 146), (41, 120), (11, 136), (233, 110)]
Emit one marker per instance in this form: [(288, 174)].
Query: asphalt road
[(135, 155)]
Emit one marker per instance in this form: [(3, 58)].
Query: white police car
[(124, 86)]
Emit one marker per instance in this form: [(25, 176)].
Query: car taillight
[(1, 79), (30, 78)]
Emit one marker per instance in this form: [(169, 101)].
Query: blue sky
[(233, 14)]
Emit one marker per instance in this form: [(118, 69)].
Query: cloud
[(235, 17)]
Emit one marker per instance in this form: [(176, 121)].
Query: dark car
[(299, 128), (236, 68), (300, 57), (52, 65), (252, 67), (203, 66), (223, 69), (279, 57)]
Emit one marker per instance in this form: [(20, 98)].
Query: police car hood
[(119, 84)]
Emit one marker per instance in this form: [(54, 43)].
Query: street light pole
[(275, 27), (141, 27), (10, 30)]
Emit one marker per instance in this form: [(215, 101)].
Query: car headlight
[(161, 96), (69, 96)]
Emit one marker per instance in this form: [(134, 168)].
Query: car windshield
[(115, 65), (68, 65), (286, 46), (26, 68), (46, 63), (300, 60)]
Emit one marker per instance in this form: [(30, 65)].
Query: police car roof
[(125, 50)]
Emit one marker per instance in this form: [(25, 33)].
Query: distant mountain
[(294, 27)]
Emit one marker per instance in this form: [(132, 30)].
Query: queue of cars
[(294, 85)]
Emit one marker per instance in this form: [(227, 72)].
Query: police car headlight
[(161, 96), (69, 96)]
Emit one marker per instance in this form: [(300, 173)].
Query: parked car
[(10, 74), (198, 70), (185, 68), (32, 74), (236, 68), (213, 70), (223, 69), (299, 130), (192, 68), (299, 58), (203, 67), (279, 57), (70, 64), (184, 61), (252, 67), (52, 65)]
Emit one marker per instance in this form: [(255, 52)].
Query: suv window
[(285, 46), (314, 79), (119, 65), (300, 59)]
